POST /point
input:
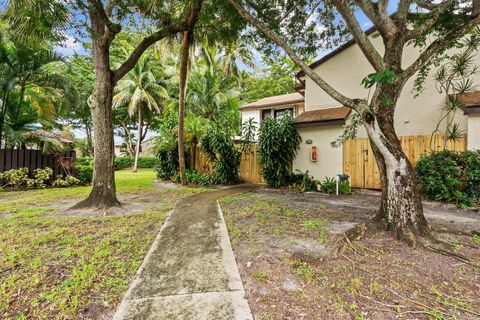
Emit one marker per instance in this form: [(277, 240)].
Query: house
[(320, 119)]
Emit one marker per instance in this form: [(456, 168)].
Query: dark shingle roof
[(323, 115)]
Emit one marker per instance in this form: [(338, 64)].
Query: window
[(280, 113), (267, 113)]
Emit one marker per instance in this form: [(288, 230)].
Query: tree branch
[(143, 46), (360, 37), (377, 13), (189, 24), (438, 44), (291, 53), (435, 12)]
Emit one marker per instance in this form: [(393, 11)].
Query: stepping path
[(190, 271)]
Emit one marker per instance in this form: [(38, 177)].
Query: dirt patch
[(279, 239)]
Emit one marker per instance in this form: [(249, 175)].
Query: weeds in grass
[(306, 272), (53, 265), (260, 275), (318, 226), (476, 239)]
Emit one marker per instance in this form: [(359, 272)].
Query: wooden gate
[(359, 162), (249, 171)]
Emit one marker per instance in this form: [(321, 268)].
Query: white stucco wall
[(345, 71), (330, 160), (255, 114), (473, 138)]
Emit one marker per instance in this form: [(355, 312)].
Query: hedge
[(84, 173), (450, 176), (143, 162)]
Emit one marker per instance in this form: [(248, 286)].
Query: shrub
[(147, 162), (66, 182), (123, 163), (167, 164), (16, 178), (329, 185), (84, 173), (224, 155), (41, 176), (450, 176), (345, 188), (278, 144), (84, 161), (127, 162), (199, 178), (302, 182)]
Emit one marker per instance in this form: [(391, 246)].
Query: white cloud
[(69, 46)]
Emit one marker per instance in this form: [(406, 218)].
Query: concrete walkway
[(190, 271)]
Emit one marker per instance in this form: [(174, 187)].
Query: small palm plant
[(143, 97)]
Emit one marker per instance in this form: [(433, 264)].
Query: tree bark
[(184, 55), (401, 209), (103, 193), (139, 140)]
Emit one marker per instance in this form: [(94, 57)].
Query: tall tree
[(103, 22), (413, 22), (187, 39), (143, 96)]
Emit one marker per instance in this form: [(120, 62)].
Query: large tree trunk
[(103, 193), (184, 55), (139, 140), (401, 209)]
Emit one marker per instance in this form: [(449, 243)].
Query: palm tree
[(29, 79), (143, 96)]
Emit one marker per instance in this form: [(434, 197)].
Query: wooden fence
[(32, 159), (249, 171), (360, 165)]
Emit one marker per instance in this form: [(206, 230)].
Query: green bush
[(328, 186), (167, 164), (84, 161), (66, 182), (123, 163), (278, 144), (450, 176), (199, 178), (224, 155), (345, 188), (302, 182), (84, 173), (147, 162), (143, 162), (18, 178), (41, 177)]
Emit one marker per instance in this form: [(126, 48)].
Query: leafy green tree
[(32, 88), (102, 22), (278, 144), (276, 79), (81, 76), (143, 96)]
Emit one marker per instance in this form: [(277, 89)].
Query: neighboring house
[(320, 119), (147, 149)]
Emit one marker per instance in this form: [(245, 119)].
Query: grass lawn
[(280, 240), (55, 263)]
